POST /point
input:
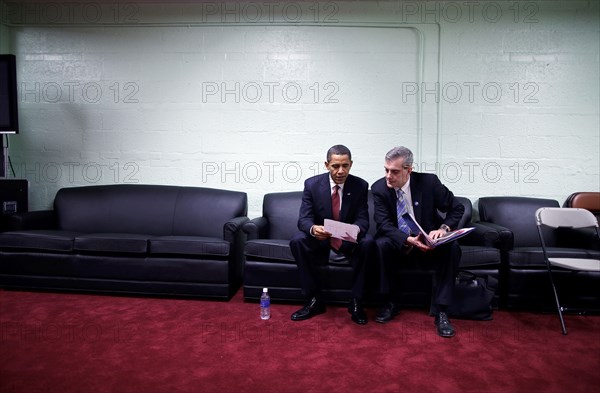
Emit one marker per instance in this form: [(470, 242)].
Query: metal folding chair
[(556, 217)]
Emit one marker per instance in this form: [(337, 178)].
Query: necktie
[(401, 210), (335, 208)]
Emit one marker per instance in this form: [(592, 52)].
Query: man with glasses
[(422, 195)]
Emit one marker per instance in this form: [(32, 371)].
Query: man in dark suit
[(422, 195), (339, 196)]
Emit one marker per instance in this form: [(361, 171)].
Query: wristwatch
[(445, 227)]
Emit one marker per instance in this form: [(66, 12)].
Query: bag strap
[(465, 275)]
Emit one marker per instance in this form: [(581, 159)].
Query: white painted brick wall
[(117, 97)]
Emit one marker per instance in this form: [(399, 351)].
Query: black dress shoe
[(357, 312), (387, 312), (444, 327), (312, 308)]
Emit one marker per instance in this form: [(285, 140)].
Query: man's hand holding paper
[(341, 230)]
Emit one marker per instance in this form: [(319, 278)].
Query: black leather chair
[(269, 261), (524, 278)]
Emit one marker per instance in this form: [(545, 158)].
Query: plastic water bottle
[(265, 304)]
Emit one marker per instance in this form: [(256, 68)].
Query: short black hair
[(338, 150)]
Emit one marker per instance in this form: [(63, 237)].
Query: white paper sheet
[(341, 230)]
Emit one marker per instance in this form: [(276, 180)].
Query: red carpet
[(84, 343)]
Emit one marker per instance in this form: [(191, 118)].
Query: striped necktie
[(401, 210)]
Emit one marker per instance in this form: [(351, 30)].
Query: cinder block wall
[(496, 97)]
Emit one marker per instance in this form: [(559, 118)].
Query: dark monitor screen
[(9, 120)]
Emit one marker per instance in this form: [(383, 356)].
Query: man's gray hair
[(400, 152)]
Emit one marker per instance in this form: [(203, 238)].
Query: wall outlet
[(9, 207)]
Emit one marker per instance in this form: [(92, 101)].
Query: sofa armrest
[(233, 227), (256, 228), (505, 240), (37, 219), (482, 235), (232, 232)]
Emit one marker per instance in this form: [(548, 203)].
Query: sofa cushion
[(265, 249), (155, 210), (517, 214), (47, 240), (204, 211), (189, 245), (112, 242), (528, 257), (282, 210), (475, 256), (124, 208)]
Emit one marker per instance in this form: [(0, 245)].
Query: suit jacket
[(428, 196), (316, 203)]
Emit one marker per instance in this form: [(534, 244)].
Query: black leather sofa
[(524, 275), (130, 239), (269, 261)]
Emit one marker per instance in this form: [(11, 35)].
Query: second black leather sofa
[(269, 261)]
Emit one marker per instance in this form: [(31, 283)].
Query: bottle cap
[(265, 289)]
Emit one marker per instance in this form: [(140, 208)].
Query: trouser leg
[(307, 252)]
